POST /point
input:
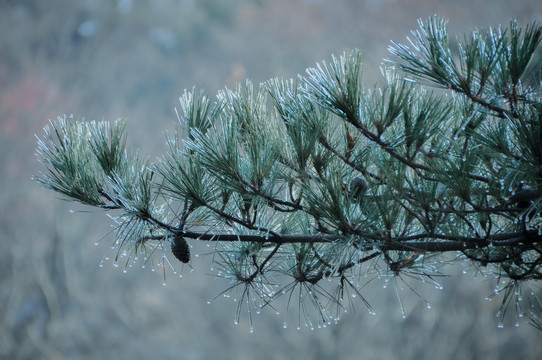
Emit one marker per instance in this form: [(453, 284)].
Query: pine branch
[(316, 178), (423, 242)]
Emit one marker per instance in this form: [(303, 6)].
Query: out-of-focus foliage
[(108, 59)]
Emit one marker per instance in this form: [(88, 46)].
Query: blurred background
[(104, 59)]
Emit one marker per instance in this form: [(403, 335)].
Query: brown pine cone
[(180, 249)]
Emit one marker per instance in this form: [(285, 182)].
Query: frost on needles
[(297, 182)]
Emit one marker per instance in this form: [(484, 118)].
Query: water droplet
[(500, 325)]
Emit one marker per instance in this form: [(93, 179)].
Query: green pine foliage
[(319, 178)]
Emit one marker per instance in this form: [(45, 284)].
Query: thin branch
[(419, 242), (500, 112), (390, 150)]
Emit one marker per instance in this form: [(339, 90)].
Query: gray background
[(107, 59)]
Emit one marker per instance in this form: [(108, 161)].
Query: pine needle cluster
[(320, 178)]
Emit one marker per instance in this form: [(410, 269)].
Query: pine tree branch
[(354, 120), (419, 242), (255, 190), (500, 112), (343, 175), (343, 158)]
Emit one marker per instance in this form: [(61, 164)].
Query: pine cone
[(180, 249), (525, 197), (357, 187)]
